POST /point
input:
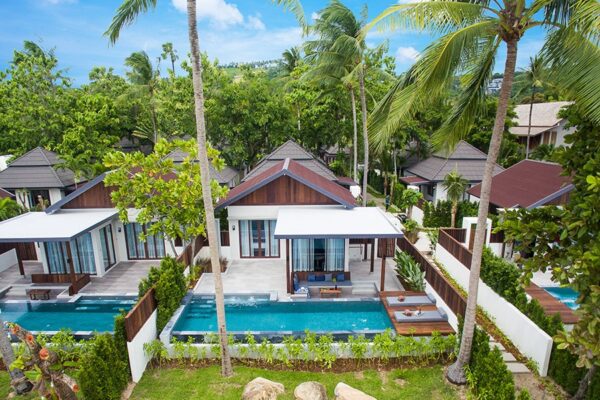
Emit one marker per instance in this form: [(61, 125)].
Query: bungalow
[(228, 176), (547, 127), (429, 174), (36, 178)]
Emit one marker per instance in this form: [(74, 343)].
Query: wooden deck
[(551, 305), (413, 328)]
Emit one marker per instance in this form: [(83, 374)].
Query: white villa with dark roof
[(547, 127)]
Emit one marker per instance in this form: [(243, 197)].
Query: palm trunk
[(173, 65), (456, 373), (19, 381), (363, 106), (355, 137), (453, 216), (529, 127), (585, 383), (226, 369)]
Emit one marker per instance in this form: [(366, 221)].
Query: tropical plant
[(471, 36), (20, 383), (408, 199), (455, 186), (126, 15), (291, 59), (170, 53), (409, 271), (9, 208), (544, 152)]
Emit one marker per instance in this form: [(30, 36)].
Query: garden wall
[(531, 340), (417, 215), (138, 360), (8, 259)]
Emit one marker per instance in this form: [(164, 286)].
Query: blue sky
[(230, 30)]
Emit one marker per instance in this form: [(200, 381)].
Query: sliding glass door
[(152, 248), (82, 251), (108, 248), (257, 239), (318, 255)]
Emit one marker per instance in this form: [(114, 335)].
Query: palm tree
[(170, 53), (19, 381), (471, 33), (291, 59), (533, 77), (126, 14), (455, 186), (9, 208), (144, 78), (339, 54)]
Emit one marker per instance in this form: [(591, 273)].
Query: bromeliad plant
[(409, 272)]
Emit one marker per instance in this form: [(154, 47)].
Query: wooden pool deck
[(413, 328), (552, 305)]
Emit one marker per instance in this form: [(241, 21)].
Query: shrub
[(440, 214), (103, 373), (120, 337), (410, 272), (411, 230), (503, 277)]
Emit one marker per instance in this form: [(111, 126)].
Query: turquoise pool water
[(565, 295), (86, 314), (261, 315)]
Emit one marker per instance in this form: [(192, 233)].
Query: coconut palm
[(126, 14), (455, 186), (170, 53), (339, 54), (19, 381), (471, 34), (291, 59), (145, 79), (532, 78)]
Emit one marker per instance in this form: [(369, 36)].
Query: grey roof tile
[(38, 168)]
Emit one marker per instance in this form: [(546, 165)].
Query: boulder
[(310, 391), (262, 389), (346, 392)]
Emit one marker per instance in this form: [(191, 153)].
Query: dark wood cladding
[(286, 191), (54, 278), (139, 314), (25, 251), (186, 255), (386, 248), (97, 196), (460, 252), (225, 238), (460, 234), (435, 278), (79, 284), (497, 237)]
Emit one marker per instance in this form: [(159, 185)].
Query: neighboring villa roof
[(413, 180), (466, 159), (296, 171), (544, 117), (36, 169), (4, 194), (294, 151), (223, 177), (335, 150), (527, 184)]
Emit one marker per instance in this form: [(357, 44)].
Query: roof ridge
[(52, 166)]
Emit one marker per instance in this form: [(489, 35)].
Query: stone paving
[(121, 279)]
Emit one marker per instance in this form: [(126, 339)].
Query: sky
[(230, 30)]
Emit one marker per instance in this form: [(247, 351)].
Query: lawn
[(206, 383)]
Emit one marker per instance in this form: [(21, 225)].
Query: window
[(152, 248), (257, 238), (108, 248), (82, 251), (320, 255), (35, 196)]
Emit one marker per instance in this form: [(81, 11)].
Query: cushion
[(320, 278), (340, 277), (311, 277), (296, 286), (328, 277)]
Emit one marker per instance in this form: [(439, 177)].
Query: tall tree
[(170, 53), (339, 53), (471, 35), (145, 79), (20, 383), (126, 14), (291, 59), (455, 186)]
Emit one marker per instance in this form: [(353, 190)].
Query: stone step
[(517, 368), (507, 357)]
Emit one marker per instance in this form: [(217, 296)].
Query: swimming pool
[(86, 314), (259, 315), (565, 295)]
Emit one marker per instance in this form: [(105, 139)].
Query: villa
[(547, 127)]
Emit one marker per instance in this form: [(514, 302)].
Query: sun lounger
[(411, 301), (426, 316)]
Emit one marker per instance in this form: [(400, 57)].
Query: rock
[(310, 391), (262, 389), (345, 392)]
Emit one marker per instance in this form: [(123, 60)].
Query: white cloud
[(218, 12), (254, 22), (407, 54), (315, 16)]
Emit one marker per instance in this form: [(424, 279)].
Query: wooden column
[(71, 265), (372, 255), (289, 278), (20, 261), (365, 252), (382, 283)]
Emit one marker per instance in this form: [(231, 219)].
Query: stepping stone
[(517, 368), (508, 357), (498, 345)]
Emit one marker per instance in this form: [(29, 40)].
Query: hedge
[(439, 214)]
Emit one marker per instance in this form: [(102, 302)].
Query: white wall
[(417, 215), (138, 360), (55, 195), (469, 222), (440, 192), (8, 259), (532, 341)]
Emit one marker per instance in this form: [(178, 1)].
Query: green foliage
[(440, 214), (103, 372), (409, 272), (9, 209), (411, 230), (544, 152), (120, 337), (156, 350), (503, 277), (409, 198)]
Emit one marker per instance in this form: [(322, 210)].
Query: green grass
[(5, 388), (206, 383), (374, 192)]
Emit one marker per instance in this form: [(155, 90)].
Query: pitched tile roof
[(5, 194), (296, 171), (36, 169), (466, 159), (543, 117), (294, 151), (527, 184)]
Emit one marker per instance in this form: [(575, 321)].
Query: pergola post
[(71, 265), (20, 261), (287, 266), (382, 283), (372, 255)]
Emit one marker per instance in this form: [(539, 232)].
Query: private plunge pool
[(82, 317), (275, 319), (565, 295)]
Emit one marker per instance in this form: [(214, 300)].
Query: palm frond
[(574, 64), (126, 14), (296, 8)]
